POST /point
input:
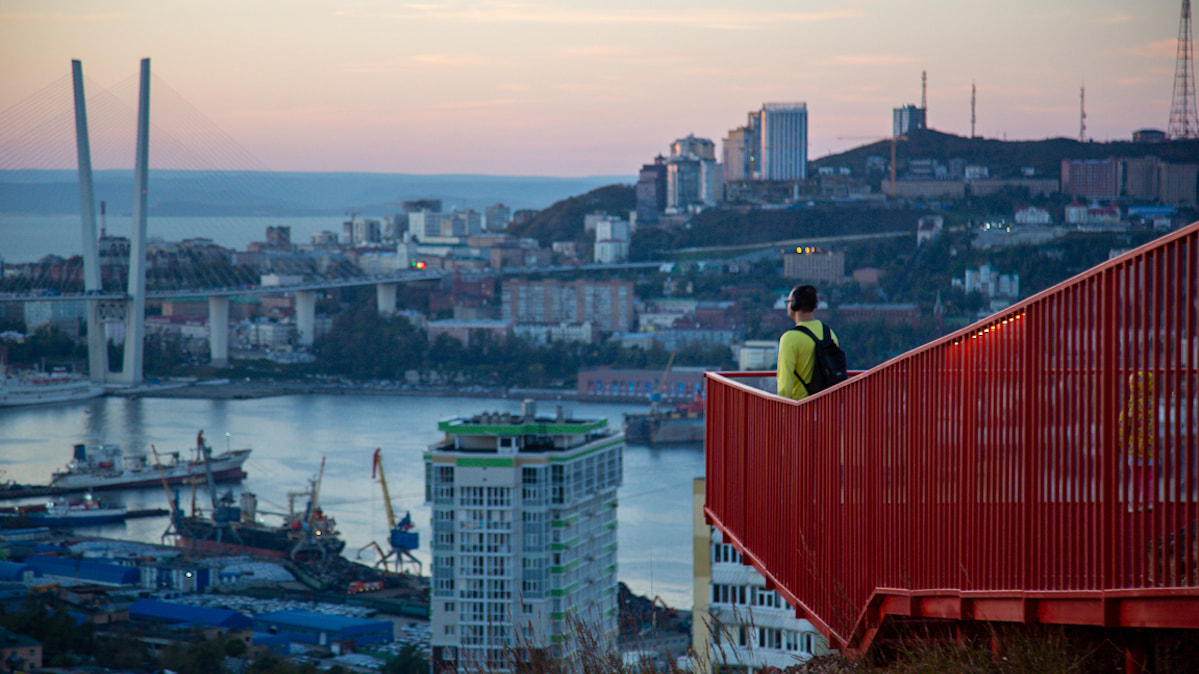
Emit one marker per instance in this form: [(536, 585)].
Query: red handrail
[(988, 475)]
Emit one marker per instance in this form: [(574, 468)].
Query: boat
[(305, 534), (59, 386), (62, 513), (683, 424), (105, 467)]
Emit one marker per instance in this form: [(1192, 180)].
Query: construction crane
[(874, 139), (401, 536)]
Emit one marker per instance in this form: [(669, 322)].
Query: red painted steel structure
[(1040, 466)]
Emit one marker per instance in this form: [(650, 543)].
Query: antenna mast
[(924, 94), (973, 91), (1184, 118), (1082, 114)]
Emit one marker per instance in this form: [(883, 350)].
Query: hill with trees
[(1005, 158)]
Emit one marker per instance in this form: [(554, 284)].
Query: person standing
[(797, 351)]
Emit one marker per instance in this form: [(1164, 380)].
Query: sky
[(591, 87)]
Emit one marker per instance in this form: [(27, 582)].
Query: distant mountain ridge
[(249, 193)]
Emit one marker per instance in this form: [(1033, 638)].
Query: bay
[(291, 434)]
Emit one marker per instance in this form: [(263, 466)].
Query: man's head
[(802, 299)]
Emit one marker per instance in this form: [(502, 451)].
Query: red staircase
[(1040, 466)]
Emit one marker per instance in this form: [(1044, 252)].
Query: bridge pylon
[(133, 311)]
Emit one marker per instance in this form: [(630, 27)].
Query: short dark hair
[(803, 298)]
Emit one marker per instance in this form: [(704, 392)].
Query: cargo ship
[(106, 467), (306, 534)]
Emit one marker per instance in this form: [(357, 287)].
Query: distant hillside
[(249, 193), (1005, 158), (563, 221)]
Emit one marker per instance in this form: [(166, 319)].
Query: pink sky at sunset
[(576, 88)]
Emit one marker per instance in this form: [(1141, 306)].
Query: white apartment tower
[(524, 537), (784, 138), (739, 625)]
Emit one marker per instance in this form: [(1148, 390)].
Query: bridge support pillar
[(306, 317), (385, 295), (218, 330)]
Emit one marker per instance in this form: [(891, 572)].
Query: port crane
[(401, 535)]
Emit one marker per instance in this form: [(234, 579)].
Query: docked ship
[(106, 467), (59, 386), (61, 513), (305, 534), (682, 424)]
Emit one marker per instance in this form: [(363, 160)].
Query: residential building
[(612, 236), (738, 624), (929, 227), (556, 332), (990, 283), (18, 652), (1177, 184), (692, 175), (814, 265), (497, 217), (524, 537), (889, 314), (1091, 178), (1033, 216), (469, 331), (607, 304)]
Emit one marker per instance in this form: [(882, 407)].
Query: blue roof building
[(323, 630), (15, 572), (183, 614), (84, 569)]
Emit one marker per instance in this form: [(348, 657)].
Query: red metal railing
[(990, 475)]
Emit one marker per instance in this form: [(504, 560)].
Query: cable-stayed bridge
[(199, 164)]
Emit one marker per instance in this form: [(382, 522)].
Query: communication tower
[(973, 91), (1184, 118), (1082, 114), (924, 94)]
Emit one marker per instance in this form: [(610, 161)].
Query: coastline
[(224, 389)]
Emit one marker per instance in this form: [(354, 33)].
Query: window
[(449, 630)]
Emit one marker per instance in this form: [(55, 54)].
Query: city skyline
[(582, 88)]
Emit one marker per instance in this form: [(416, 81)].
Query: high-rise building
[(784, 141), (741, 150), (692, 174), (907, 118), (739, 623), (651, 190), (524, 537)]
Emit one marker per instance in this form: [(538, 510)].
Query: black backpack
[(830, 366)]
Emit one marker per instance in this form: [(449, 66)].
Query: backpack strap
[(808, 384)]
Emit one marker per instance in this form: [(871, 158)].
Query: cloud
[(716, 19), (455, 60), (1161, 49), (872, 60), (60, 17), (1113, 19)]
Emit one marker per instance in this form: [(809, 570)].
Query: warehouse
[(325, 630)]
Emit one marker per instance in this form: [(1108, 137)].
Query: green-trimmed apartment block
[(524, 535)]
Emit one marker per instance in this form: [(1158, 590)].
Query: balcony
[(1041, 466)]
